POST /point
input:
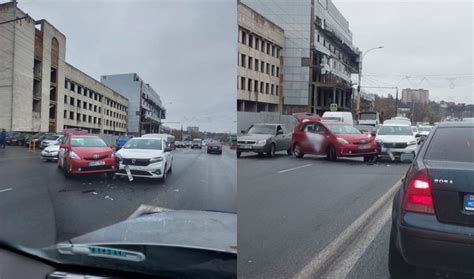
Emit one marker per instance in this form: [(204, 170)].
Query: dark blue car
[(120, 141)]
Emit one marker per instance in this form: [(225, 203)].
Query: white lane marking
[(340, 242), (341, 267), (5, 190), (287, 170)]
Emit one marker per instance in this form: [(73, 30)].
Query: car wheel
[(297, 151), (163, 178), (398, 268), (238, 154), (271, 152), (331, 155), (67, 174)]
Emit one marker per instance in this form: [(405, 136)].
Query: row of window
[(259, 43), (91, 119), (251, 85), (83, 104), (81, 90), (258, 66), (333, 50)]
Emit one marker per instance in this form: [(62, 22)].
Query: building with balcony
[(39, 91), (146, 110), (260, 43), (318, 57)]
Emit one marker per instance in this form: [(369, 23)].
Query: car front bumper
[(424, 241), (49, 156), (154, 170), (397, 152), (355, 150), (252, 148), (78, 166)]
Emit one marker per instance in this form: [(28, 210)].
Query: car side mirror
[(111, 146), (243, 131), (280, 132), (168, 149)]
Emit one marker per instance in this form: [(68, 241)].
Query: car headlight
[(343, 141), (156, 159), (379, 141), (262, 141), (412, 142), (73, 155)]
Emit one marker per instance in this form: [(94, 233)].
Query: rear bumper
[(214, 150), (436, 245)]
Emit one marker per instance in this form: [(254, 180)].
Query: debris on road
[(176, 190), (88, 191), (108, 198)]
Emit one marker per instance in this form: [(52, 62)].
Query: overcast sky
[(185, 49), (431, 41)]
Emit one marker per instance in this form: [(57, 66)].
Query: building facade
[(35, 81), (260, 42), (318, 57), (146, 110), (192, 129), (415, 96)]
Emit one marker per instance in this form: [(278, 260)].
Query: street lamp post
[(360, 76)]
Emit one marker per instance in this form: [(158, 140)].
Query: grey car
[(264, 138)]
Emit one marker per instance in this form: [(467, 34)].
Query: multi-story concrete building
[(259, 62), (145, 111), (415, 96), (192, 129), (318, 55), (39, 90)]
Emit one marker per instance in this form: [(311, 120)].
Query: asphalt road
[(39, 206), (300, 218)]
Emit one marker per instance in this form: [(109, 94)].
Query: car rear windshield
[(87, 142), (368, 116), (343, 129), (154, 144), (262, 129), (452, 144), (51, 137), (124, 137), (395, 130)]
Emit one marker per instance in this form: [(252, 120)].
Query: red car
[(333, 139), (85, 153)]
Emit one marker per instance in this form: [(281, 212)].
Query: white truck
[(369, 118)]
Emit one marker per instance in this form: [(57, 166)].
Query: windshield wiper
[(99, 251)]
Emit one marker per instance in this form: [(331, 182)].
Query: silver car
[(264, 138)]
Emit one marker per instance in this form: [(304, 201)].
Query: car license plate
[(129, 173), (469, 202), (365, 146), (246, 147), (98, 163)]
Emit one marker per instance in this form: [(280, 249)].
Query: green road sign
[(333, 107)]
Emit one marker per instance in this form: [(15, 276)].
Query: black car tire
[(66, 170), (370, 158), (163, 178), (288, 151), (397, 267), (238, 154), (297, 151), (331, 153), (271, 152)]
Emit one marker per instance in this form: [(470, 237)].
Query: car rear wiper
[(99, 251)]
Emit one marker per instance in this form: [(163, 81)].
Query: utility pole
[(360, 76), (13, 62)]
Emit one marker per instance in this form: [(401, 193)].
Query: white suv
[(145, 157), (395, 140)]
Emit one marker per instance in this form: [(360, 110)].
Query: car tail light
[(418, 196)]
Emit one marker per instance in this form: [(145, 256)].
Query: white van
[(370, 118), (342, 116)]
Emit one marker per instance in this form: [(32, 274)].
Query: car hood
[(91, 151), (139, 153), (52, 148), (356, 138), (186, 228), (395, 139), (254, 137)]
